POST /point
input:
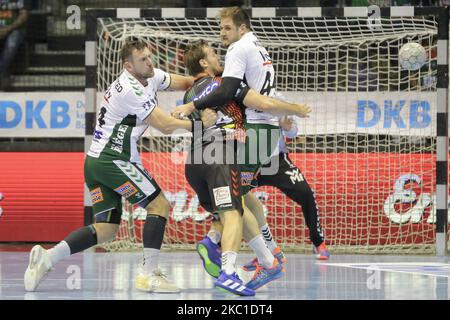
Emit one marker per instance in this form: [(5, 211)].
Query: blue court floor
[(109, 276)]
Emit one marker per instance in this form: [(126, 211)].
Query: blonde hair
[(238, 15)]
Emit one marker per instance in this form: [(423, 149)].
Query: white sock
[(151, 260), (215, 236), (229, 262), (265, 257), (268, 238), (59, 252)]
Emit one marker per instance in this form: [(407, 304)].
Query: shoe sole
[(210, 267), (222, 289), (278, 276), (35, 256)]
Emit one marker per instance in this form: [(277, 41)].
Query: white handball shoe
[(157, 282), (38, 268)]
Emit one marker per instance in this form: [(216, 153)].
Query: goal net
[(368, 150)]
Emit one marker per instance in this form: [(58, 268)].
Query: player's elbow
[(229, 88)]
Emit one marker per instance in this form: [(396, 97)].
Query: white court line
[(384, 266)]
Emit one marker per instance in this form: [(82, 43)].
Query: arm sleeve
[(241, 93), (140, 106), (162, 79), (221, 95)]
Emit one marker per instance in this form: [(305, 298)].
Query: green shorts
[(261, 141), (108, 180)]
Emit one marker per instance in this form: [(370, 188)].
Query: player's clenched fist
[(209, 117), (183, 110)]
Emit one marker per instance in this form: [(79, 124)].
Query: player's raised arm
[(220, 96), (274, 106)]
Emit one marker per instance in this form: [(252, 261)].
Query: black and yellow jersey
[(230, 116)]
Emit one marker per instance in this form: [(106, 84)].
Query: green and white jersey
[(248, 60), (120, 122)]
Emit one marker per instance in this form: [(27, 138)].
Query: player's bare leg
[(152, 279), (266, 266)]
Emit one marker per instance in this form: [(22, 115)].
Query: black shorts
[(218, 186)]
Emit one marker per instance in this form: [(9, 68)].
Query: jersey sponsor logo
[(295, 175), (222, 196), (101, 116), (126, 190), (148, 104), (138, 195), (117, 141), (209, 88), (98, 134), (96, 195), (246, 178)]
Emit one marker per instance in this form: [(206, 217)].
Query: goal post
[(375, 148)]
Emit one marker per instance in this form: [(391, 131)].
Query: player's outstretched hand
[(303, 110), (183, 110), (209, 117)]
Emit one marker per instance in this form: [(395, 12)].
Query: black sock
[(154, 231), (82, 239)]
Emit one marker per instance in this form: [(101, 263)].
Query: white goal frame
[(442, 17)]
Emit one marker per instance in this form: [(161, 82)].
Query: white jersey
[(120, 122), (246, 59)]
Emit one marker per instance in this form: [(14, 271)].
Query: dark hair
[(238, 15), (130, 44), (193, 53)]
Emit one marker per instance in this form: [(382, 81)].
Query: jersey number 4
[(267, 85)]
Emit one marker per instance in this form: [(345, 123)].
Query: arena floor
[(92, 276)]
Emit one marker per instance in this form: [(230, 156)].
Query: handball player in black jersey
[(213, 172)]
